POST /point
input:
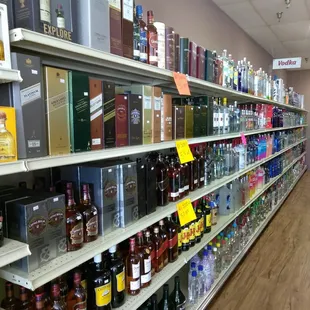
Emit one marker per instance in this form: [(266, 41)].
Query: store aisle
[(275, 275)]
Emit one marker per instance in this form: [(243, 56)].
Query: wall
[(204, 23)]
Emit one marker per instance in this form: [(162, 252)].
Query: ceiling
[(258, 18)]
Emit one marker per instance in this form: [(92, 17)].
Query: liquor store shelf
[(71, 260), (123, 70), (7, 76), (76, 158), (161, 278), (204, 301), (12, 251)]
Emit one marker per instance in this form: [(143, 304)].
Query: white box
[(4, 37)]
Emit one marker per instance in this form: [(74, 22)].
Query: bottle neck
[(150, 20)]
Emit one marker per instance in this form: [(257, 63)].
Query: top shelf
[(8, 75), (122, 70)]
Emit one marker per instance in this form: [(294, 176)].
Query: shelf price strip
[(186, 212), (184, 152)]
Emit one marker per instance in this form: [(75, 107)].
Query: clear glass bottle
[(7, 142)]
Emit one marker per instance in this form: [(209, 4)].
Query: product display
[(5, 56)]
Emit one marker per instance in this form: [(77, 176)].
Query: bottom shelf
[(218, 283)]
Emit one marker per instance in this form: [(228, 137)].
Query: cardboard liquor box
[(141, 186), (166, 118), (8, 147), (201, 66), (184, 56), (93, 24), (192, 63), (189, 119), (56, 18), (28, 101), (135, 119), (5, 54), (127, 28), (57, 108), (9, 5), (197, 121), (209, 66), (177, 52), (121, 120), (104, 181), (161, 44), (96, 114), (206, 105), (79, 111), (109, 114), (28, 218), (116, 45), (178, 122), (128, 195), (156, 114)]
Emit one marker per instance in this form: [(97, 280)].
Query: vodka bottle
[(226, 119), (225, 60), (215, 117), (224, 203), (220, 117)]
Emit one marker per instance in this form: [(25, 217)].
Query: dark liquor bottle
[(74, 222), (25, 303), (162, 181), (193, 174), (150, 245), (39, 302), (152, 39), (145, 261), (10, 302), (63, 288), (181, 172), (208, 216), (158, 242), (56, 301), (186, 178), (166, 303), (164, 237), (201, 168), (136, 34), (172, 233), (133, 269), (1, 230), (174, 180), (100, 286), (192, 235), (185, 237), (177, 297), (179, 230), (197, 222), (76, 298), (90, 215), (117, 269), (143, 35), (154, 305)]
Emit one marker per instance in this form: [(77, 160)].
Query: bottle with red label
[(133, 269), (77, 296), (172, 233), (56, 301), (152, 40), (74, 222), (150, 245), (174, 181), (10, 302), (164, 237), (158, 242), (24, 299), (162, 181), (90, 215)]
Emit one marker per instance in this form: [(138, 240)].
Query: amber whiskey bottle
[(181, 177), (193, 174), (172, 234), (56, 300), (158, 242), (162, 180), (77, 296), (40, 301), (90, 215), (179, 229), (74, 222), (150, 245), (174, 180), (152, 40), (25, 303), (133, 269), (10, 302), (63, 286), (164, 237), (201, 168), (145, 261)]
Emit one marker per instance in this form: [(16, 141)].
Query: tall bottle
[(177, 297), (174, 181), (150, 245), (162, 181), (133, 269), (57, 303), (172, 234), (77, 296), (164, 237), (117, 269), (193, 174), (165, 302), (25, 303), (159, 263), (180, 233), (63, 286), (143, 35), (136, 34), (152, 39), (10, 302)]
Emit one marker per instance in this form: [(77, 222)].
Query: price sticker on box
[(181, 83), (243, 138), (184, 152), (186, 212)]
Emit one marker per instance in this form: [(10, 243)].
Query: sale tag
[(186, 212), (243, 138), (181, 83), (184, 152)]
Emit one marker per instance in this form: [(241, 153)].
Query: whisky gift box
[(178, 122), (96, 114), (109, 114), (127, 28), (203, 120), (189, 119), (30, 109), (156, 114), (79, 111), (209, 65), (184, 55), (9, 5), (161, 44), (128, 196), (93, 24), (135, 119), (56, 18), (166, 118), (8, 134), (121, 120), (192, 63), (206, 104), (116, 42), (196, 122), (57, 110), (177, 52), (141, 186), (5, 53), (170, 48), (201, 66)]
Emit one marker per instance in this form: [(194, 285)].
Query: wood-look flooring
[(275, 274)]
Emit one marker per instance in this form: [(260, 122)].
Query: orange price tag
[(184, 152), (186, 212), (181, 83)]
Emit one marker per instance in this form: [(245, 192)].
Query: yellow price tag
[(186, 212), (184, 152)]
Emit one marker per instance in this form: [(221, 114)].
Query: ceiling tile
[(261, 34), (297, 46), (243, 14), (292, 31), (223, 2), (275, 49), (267, 9)]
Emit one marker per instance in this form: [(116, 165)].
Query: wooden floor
[(275, 275)]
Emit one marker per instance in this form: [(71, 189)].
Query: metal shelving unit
[(76, 158), (12, 251), (8, 75)]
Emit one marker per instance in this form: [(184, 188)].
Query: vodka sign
[(287, 63)]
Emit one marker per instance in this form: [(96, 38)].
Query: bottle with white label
[(145, 261), (45, 11), (61, 23), (133, 269)]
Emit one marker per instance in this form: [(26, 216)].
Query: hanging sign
[(287, 63)]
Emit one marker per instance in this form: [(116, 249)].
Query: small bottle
[(201, 281), (177, 297), (157, 240), (77, 296), (25, 303), (133, 269), (164, 237), (61, 23), (166, 303), (9, 302), (193, 288), (57, 303)]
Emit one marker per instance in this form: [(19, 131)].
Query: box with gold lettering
[(56, 18)]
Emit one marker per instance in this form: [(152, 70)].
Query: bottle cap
[(200, 268), (139, 9), (205, 253), (194, 273), (140, 234), (209, 247), (98, 258), (214, 249), (218, 245), (193, 265), (112, 249), (156, 230)]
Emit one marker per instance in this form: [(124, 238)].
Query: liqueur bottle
[(172, 233), (164, 237), (166, 303), (177, 297), (150, 245), (57, 303), (10, 302), (162, 181), (151, 39), (7, 142), (143, 45), (76, 298), (159, 263), (132, 269), (179, 230), (174, 180)]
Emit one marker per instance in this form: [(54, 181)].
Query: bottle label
[(61, 22), (135, 270), (172, 242), (174, 187), (146, 278), (180, 239), (120, 281), (201, 221), (143, 45), (84, 284), (192, 231), (162, 185), (185, 235), (147, 265), (103, 295), (215, 119), (208, 220), (80, 306), (135, 285), (197, 229), (76, 234), (92, 226)]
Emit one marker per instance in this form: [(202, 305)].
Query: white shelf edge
[(203, 302), (9, 75), (76, 158)]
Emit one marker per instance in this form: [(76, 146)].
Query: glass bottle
[(193, 174), (162, 181), (181, 171), (179, 230), (90, 215), (2, 56), (173, 175), (57, 303), (172, 233), (150, 245), (185, 237), (186, 178), (201, 168), (136, 34), (63, 286), (159, 262), (152, 38), (177, 297), (132, 269), (7, 142), (61, 23), (197, 222), (74, 224), (143, 35), (25, 303), (77, 295), (164, 237), (154, 305), (39, 301), (117, 269), (166, 303), (10, 302)]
